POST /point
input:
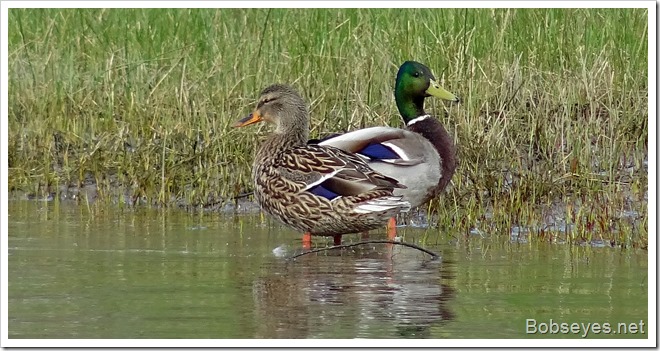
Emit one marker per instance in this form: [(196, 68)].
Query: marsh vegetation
[(138, 104)]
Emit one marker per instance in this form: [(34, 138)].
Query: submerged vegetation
[(138, 104)]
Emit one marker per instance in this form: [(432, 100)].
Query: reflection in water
[(353, 295), (78, 272)]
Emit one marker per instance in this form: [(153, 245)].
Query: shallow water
[(111, 273)]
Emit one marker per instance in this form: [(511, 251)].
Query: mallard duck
[(422, 156), (318, 190)]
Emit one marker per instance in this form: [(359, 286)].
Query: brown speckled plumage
[(285, 170)]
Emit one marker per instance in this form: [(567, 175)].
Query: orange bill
[(253, 117)]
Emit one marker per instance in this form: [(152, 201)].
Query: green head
[(414, 83)]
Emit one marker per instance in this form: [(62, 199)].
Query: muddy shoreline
[(554, 225)]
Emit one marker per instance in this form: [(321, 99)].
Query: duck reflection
[(367, 293)]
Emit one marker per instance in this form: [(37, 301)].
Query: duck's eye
[(416, 74)]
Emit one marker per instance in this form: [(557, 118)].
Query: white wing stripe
[(399, 151), (383, 204), (322, 179)]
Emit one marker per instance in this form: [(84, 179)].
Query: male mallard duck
[(422, 156), (319, 190)]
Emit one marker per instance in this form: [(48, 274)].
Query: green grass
[(141, 102)]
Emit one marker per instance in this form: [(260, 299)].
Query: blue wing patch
[(320, 190), (379, 152)]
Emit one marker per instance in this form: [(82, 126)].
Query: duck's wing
[(330, 172), (385, 144)]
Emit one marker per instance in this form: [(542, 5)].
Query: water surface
[(79, 272)]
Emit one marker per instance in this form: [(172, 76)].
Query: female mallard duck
[(319, 190), (423, 156)]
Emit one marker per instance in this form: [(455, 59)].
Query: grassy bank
[(140, 103)]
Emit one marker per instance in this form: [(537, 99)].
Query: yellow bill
[(436, 90)]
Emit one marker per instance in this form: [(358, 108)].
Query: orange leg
[(391, 229), (307, 241), (337, 240)]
